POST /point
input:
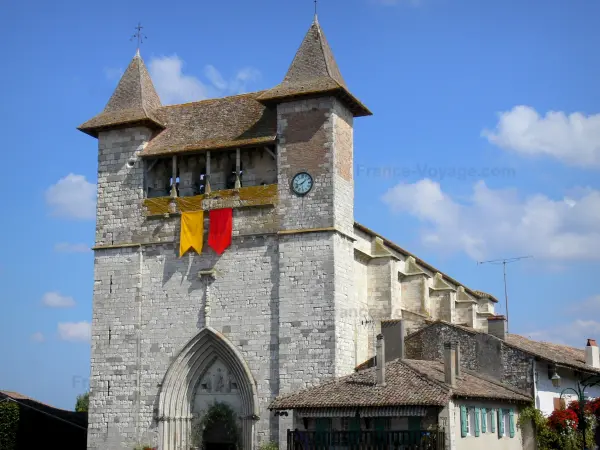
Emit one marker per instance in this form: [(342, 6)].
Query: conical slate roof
[(133, 101), (314, 72)]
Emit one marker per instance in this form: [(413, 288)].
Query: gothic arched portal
[(187, 372)]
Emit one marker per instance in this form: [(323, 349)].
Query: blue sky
[(484, 144)]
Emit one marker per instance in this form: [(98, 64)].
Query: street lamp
[(579, 391), (555, 380)]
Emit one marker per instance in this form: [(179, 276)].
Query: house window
[(468, 427), (471, 426)]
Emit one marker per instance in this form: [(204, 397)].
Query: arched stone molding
[(178, 388)]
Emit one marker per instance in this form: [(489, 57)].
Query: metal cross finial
[(139, 36), (316, 7)]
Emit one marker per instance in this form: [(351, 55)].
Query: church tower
[(175, 331), (315, 115)]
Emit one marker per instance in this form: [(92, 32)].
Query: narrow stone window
[(108, 391), (110, 286), (109, 335)]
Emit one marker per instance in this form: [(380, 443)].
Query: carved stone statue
[(206, 383), (220, 381)]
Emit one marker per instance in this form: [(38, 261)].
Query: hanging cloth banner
[(192, 232), (219, 232)]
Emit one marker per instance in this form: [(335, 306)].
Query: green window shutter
[(511, 418), (354, 428), (477, 415), (493, 417), (463, 421), (500, 423), (483, 420)]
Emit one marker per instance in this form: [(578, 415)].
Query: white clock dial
[(302, 183)]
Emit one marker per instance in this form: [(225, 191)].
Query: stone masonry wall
[(413, 293), (480, 352), (120, 184), (343, 177), (306, 140), (171, 311), (140, 323)]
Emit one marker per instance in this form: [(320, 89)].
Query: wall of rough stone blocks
[(120, 184), (241, 298), (306, 140), (478, 351), (343, 176)]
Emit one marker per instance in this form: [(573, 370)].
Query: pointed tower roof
[(314, 72), (133, 101)]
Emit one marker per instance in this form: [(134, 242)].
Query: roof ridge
[(138, 58), (208, 100), (440, 384), (319, 32)]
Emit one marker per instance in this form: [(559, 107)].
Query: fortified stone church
[(276, 287)]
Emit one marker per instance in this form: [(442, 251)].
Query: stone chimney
[(380, 356), (592, 355), (457, 360), (497, 326), (393, 334), (450, 363)]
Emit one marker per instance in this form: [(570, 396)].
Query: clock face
[(302, 183)]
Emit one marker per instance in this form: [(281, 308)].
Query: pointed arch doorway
[(208, 370)]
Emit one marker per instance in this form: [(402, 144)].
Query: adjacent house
[(38, 425), (515, 360), (408, 403)]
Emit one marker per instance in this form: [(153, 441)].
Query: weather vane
[(139, 36)]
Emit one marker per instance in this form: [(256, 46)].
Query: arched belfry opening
[(208, 371)]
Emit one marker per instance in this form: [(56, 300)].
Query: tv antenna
[(504, 262)]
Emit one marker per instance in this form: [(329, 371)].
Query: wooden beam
[(268, 150)]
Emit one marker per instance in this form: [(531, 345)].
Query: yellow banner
[(192, 232)]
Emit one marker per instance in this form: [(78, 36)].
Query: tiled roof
[(228, 122), (314, 72), (393, 246), (559, 354), (133, 101), (408, 382), (21, 397), (470, 384)]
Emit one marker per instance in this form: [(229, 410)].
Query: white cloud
[(215, 77), (74, 331), (112, 73), (72, 197), (491, 223), (576, 327), (573, 139), (174, 86), (66, 247), (56, 300), (37, 337)]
